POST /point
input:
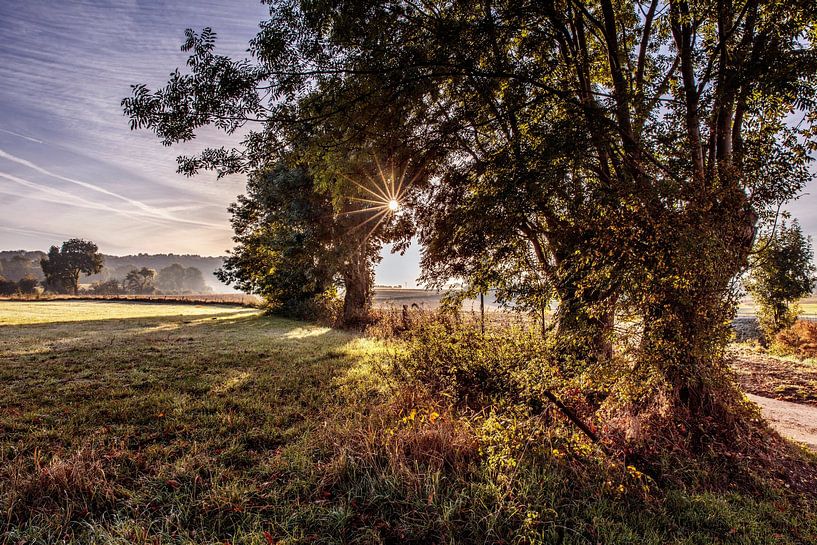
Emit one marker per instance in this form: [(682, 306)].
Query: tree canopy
[(63, 266), (619, 155), (782, 273)]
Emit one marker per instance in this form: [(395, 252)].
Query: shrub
[(109, 287), (472, 369), (325, 308), (799, 339), (513, 367), (7, 287), (27, 285)]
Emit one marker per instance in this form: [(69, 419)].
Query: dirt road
[(793, 420)]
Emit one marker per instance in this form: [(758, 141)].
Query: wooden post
[(482, 311)]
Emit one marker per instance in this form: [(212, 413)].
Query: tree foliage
[(140, 281), (285, 235), (63, 266), (620, 154), (781, 274), (177, 279)]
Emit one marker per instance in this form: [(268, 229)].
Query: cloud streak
[(24, 137), (148, 211)]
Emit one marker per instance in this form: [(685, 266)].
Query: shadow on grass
[(173, 423)]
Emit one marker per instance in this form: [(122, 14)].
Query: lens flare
[(380, 197)]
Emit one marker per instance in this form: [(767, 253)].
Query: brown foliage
[(799, 339)]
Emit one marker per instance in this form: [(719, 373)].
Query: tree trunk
[(689, 306), (583, 330), (357, 280)]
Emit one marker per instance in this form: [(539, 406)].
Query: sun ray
[(413, 178), (383, 192), (380, 202), (379, 214), (364, 188), (399, 192), (383, 178), (362, 210), (376, 225), (375, 189)]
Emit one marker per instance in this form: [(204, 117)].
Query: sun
[(380, 197)]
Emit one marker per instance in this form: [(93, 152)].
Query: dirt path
[(775, 378), (793, 420)]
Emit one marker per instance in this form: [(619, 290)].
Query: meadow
[(160, 423), (157, 417)]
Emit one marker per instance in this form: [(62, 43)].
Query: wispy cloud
[(32, 232), (148, 211), (24, 137)]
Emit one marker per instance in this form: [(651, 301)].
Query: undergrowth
[(237, 428)]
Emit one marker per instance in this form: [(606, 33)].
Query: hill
[(116, 266)]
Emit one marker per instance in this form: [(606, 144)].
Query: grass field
[(158, 424), (167, 419)]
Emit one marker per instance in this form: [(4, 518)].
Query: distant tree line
[(174, 280), (15, 264), (25, 286), (60, 270)]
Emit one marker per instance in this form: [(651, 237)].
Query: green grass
[(120, 420), (151, 423)]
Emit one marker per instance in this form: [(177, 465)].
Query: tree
[(341, 172), (194, 281), (7, 287), (28, 285), (639, 223), (140, 281), (62, 266), (284, 235), (178, 279), (782, 273)]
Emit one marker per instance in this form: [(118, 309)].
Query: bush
[(109, 287), (27, 285), (325, 308), (472, 369), (7, 287), (799, 339), (512, 367)]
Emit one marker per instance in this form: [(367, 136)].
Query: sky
[(69, 164)]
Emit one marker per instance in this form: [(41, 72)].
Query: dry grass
[(157, 424)]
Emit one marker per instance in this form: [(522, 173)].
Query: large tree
[(63, 266), (285, 245), (679, 115)]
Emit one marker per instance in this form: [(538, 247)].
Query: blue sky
[(69, 165)]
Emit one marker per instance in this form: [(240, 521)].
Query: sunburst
[(381, 198)]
